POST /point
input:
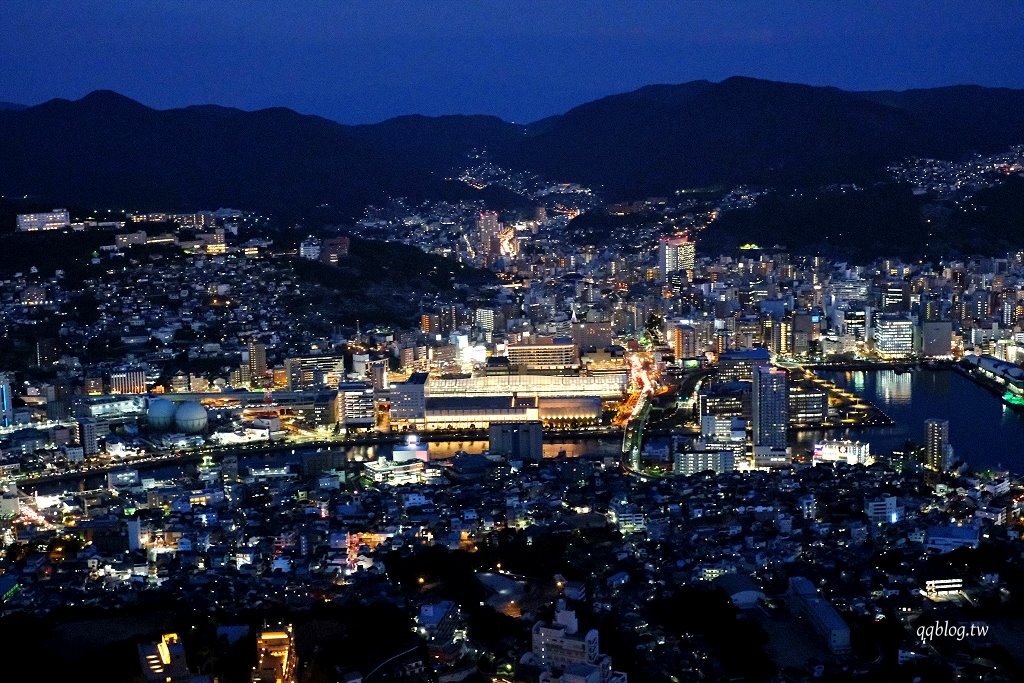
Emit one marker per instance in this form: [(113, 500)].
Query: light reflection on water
[(984, 431), (444, 450)]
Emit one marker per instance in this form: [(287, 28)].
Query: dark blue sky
[(365, 61)]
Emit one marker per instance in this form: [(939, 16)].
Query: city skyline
[(706, 382)]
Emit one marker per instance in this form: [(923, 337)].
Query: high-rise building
[(894, 296), (484, 319), (893, 336), (275, 656), (357, 408), (89, 435), (379, 375), (128, 381), (684, 342), (6, 402), (938, 452), (807, 406), (487, 228), (47, 352), (936, 338), (779, 336), (257, 361), (770, 407), (675, 254), (739, 366), (430, 323)]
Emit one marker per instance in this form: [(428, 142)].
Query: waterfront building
[(894, 336), (770, 407), (938, 452), (517, 440)]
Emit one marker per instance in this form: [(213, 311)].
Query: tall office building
[(770, 417), (6, 402), (89, 435), (487, 229), (938, 452), (675, 254), (484, 319), (894, 296), (936, 338), (894, 336), (257, 361), (770, 407)]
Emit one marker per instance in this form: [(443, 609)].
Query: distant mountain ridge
[(108, 150)]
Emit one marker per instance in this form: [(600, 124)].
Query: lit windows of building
[(894, 337), (275, 656), (675, 254), (128, 381), (58, 219)]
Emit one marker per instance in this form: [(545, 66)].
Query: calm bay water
[(983, 430)]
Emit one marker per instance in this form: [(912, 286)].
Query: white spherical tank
[(190, 417), (160, 414)]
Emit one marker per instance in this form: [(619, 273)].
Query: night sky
[(367, 61)]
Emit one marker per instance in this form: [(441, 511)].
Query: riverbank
[(984, 431), (990, 385)]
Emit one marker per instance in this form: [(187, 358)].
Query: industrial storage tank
[(160, 414), (191, 417)]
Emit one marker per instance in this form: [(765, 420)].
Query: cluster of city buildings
[(219, 350)]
